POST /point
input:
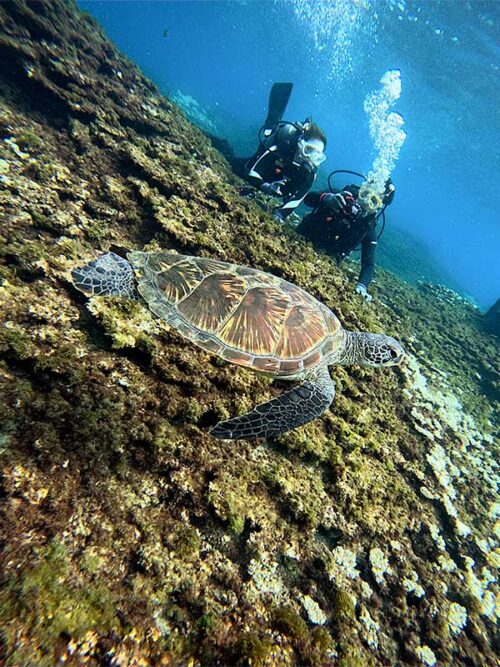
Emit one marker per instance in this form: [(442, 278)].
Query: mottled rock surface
[(492, 318), (130, 536)]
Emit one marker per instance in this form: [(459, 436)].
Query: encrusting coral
[(129, 535)]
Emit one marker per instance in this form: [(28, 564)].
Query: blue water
[(226, 55)]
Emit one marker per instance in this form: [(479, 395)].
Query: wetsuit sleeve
[(257, 168), (297, 197), (312, 199), (368, 249), (261, 167)]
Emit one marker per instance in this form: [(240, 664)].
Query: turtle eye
[(394, 354)]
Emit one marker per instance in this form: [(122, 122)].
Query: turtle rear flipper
[(294, 408), (108, 275)]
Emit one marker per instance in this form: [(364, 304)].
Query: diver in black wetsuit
[(288, 157), (344, 219)]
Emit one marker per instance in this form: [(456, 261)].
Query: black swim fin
[(278, 101)]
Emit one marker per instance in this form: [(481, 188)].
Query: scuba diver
[(343, 219), (288, 156)]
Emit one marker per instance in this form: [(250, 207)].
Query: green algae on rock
[(136, 537)]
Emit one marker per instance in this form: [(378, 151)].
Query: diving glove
[(340, 202), (337, 202), (390, 190), (361, 289), (274, 188)]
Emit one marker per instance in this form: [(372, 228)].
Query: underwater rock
[(129, 535), (492, 318)]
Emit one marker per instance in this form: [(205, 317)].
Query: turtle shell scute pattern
[(246, 316)]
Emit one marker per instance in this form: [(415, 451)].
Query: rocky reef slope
[(131, 537)]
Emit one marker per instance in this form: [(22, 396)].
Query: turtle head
[(380, 350)]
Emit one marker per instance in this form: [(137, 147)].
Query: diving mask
[(311, 151), (368, 199)]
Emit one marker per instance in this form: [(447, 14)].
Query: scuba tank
[(285, 136), (285, 131)]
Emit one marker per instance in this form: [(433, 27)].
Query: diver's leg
[(278, 101)]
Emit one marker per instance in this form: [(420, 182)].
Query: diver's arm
[(258, 166), (297, 197), (368, 249), (334, 200), (313, 199), (261, 169)]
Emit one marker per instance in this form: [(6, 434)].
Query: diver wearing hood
[(342, 220), (288, 157)]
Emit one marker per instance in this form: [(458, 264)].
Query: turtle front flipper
[(294, 408), (108, 275)]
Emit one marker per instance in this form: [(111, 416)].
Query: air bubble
[(385, 129)]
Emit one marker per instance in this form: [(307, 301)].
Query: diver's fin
[(296, 407), (278, 101)]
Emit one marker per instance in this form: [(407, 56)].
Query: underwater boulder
[(491, 319)]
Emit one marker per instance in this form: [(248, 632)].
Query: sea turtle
[(250, 318)]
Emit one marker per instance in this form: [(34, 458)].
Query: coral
[(52, 597), (344, 561), (265, 576), (379, 564), (371, 629), (457, 618), (426, 656), (129, 535), (314, 613), (411, 585), (230, 498), (300, 491)]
